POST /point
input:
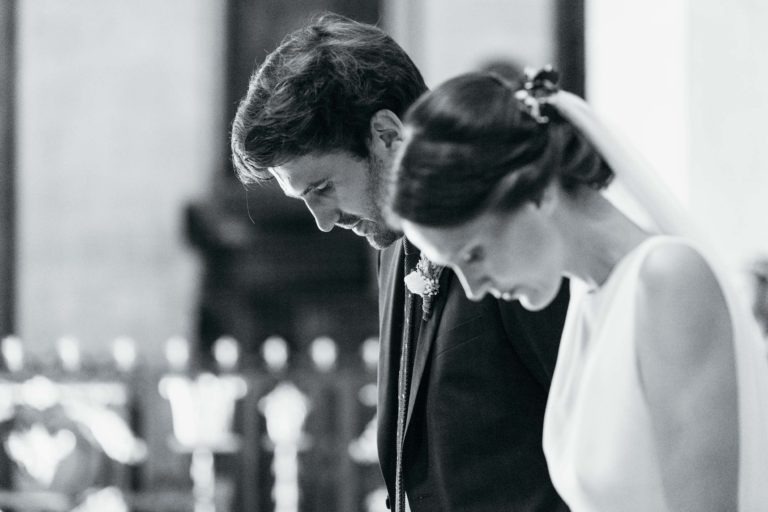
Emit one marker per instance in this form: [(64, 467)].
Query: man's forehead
[(278, 174), (298, 176)]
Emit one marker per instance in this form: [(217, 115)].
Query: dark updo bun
[(467, 135)]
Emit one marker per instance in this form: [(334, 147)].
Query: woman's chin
[(535, 301), (530, 304)]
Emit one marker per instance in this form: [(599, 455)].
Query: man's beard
[(380, 235)]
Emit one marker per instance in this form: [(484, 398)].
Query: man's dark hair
[(317, 93)]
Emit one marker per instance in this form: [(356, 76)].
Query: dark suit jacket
[(480, 380)]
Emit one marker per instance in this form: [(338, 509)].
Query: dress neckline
[(623, 262)]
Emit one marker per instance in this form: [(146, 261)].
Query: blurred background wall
[(129, 220), (122, 112), (119, 124), (684, 81), (448, 37)]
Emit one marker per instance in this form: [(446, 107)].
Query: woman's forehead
[(442, 245)]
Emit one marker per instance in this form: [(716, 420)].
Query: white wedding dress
[(597, 434)]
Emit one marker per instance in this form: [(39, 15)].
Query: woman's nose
[(474, 286)]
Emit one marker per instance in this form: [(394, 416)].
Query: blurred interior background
[(137, 277)]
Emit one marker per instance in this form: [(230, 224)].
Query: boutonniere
[(424, 281)]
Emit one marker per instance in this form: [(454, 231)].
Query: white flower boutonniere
[(424, 281)]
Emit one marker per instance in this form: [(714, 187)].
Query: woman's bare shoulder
[(687, 370), (675, 268), (680, 303)]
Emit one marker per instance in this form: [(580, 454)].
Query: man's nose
[(325, 216)]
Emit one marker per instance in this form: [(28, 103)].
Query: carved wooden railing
[(289, 432)]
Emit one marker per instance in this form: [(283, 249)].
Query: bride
[(659, 400)]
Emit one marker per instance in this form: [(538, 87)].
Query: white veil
[(648, 190)]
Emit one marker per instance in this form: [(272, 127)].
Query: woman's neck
[(597, 236)]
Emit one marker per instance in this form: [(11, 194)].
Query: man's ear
[(386, 130)]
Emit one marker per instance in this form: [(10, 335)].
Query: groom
[(462, 385)]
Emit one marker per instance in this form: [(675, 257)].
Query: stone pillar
[(7, 166)]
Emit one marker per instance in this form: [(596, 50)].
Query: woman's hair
[(469, 134)]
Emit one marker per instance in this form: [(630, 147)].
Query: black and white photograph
[(383, 256)]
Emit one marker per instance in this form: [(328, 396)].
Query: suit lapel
[(426, 338), (391, 293)]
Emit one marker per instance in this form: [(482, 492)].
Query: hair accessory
[(539, 85)]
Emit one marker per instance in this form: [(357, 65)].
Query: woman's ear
[(386, 131)]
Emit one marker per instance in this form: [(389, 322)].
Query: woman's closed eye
[(473, 255), (323, 188)]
